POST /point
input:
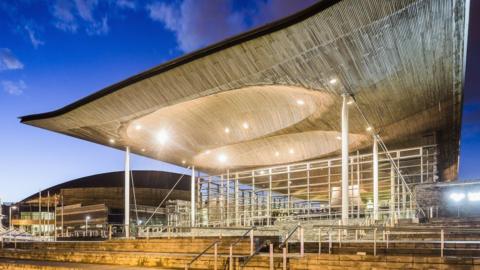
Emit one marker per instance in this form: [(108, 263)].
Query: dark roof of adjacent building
[(141, 179)]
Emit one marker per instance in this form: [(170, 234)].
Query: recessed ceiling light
[(227, 130), (138, 127), (222, 158), (184, 161), (245, 125), (369, 128), (350, 102), (300, 102), (262, 172), (207, 152), (277, 154), (162, 136), (333, 81), (291, 151), (111, 141), (339, 138), (143, 149)]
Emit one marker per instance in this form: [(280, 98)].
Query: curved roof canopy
[(273, 95)]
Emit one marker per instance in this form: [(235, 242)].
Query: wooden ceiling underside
[(402, 60)]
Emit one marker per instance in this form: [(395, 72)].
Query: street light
[(10, 216), (87, 218)]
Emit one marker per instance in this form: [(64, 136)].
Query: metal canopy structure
[(273, 95), (271, 110)]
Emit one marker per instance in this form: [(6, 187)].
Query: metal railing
[(266, 243), (215, 245)]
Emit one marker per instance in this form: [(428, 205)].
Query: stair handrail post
[(230, 257), (271, 256), (302, 242), (442, 242)]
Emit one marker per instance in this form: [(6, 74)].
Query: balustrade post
[(302, 243), (442, 242), (215, 255), (271, 256), (252, 249)]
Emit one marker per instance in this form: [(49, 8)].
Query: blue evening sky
[(55, 52)]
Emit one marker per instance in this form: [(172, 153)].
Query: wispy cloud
[(271, 10), (14, 88), (8, 61), (33, 37), (129, 4), (71, 15), (199, 23)]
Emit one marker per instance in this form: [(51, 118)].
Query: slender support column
[(308, 191), (345, 159), (228, 199), (254, 196), (269, 198), (288, 191), (421, 165), (222, 200), (209, 198), (392, 190), (62, 212), (359, 199), (126, 220), (192, 198), (40, 212), (237, 215), (375, 177), (329, 165)]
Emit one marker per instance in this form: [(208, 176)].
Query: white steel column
[(237, 189), (126, 220), (392, 190), (192, 198), (345, 159), (375, 177)]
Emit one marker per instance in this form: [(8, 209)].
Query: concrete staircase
[(419, 250)]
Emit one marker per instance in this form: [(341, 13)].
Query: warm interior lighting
[(245, 125), (473, 196), (111, 141), (455, 196), (291, 151), (339, 138), (143, 149), (87, 217), (162, 136), (300, 102), (262, 172), (369, 128), (350, 102), (207, 152), (222, 158), (227, 130), (184, 161), (138, 127), (333, 81), (277, 154)]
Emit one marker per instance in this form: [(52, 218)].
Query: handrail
[(289, 235), (242, 236), (201, 253), (249, 257)]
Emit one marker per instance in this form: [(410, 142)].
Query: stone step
[(166, 245), (333, 262)]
